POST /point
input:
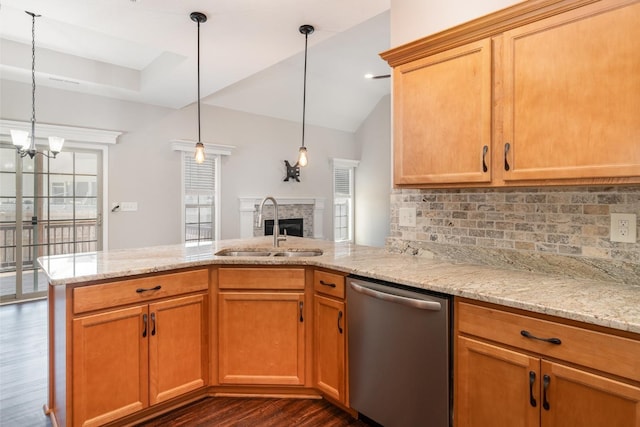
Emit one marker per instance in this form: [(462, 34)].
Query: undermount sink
[(244, 252), (265, 252), (314, 252)]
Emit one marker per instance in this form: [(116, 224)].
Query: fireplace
[(293, 226), (310, 209)]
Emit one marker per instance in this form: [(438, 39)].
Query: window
[(50, 206), (200, 195), (201, 191), (343, 199)]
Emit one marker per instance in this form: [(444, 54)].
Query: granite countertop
[(614, 305)]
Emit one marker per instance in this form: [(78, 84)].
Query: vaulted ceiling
[(252, 54)]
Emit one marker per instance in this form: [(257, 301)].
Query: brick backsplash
[(566, 221)]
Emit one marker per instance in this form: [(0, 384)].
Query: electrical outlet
[(623, 228), (407, 217)]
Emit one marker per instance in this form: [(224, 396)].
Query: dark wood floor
[(23, 364), (23, 387), (258, 412)]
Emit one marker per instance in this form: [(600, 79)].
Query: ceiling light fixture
[(25, 143), (199, 18), (381, 76), (302, 153)]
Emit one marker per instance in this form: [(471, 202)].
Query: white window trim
[(76, 137), (187, 148), (185, 145), (345, 164)]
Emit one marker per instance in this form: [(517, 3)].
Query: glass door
[(47, 207)]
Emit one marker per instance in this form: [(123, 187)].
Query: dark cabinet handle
[(141, 290), (545, 386), (528, 334), (340, 321), (144, 324), (331, 285), (532, 380), (485, 149), (507, 146), (301, 305), (153, 319)]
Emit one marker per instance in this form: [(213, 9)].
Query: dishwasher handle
[(411, 302)]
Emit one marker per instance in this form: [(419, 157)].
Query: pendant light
[(199, 18), (25, 143), (302, 152)]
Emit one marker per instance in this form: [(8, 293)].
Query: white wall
[(414, 19), (143, 169), (373, 177)]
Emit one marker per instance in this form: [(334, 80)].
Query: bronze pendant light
[(199, 18), (302, 152)]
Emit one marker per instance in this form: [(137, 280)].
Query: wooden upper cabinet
[(572, 94), (442, 111), (551, 88)]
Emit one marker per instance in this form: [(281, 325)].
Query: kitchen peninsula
[(145, 290)]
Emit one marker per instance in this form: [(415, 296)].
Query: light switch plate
[(407, 217), (623, 227), (128, 206)]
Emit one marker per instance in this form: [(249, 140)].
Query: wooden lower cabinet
[(491, 386), (127, 359), (110, 366), (502, 386), (178, 350), (261, 338), (330, 347)]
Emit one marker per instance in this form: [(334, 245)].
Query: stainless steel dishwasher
[(399, 354)]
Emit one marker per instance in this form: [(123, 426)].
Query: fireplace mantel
[(248, 208)]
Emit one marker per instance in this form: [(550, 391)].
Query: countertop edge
[(576, 299)]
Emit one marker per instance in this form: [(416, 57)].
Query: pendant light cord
[(304, 89), (199, 140), (33, 79)]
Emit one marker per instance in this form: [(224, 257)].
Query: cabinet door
[(177, 347), (572, 95), (261, 338), (110, 378), (579, 398), (442, 117), (495, 386), (329, 352)]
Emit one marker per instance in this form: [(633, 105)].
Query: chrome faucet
[(276, 226)]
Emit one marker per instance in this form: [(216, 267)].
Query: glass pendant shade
[(199, 152), (55, 144), (20, 138), (302, 156)]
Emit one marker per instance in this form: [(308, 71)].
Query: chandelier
[(24, 142)]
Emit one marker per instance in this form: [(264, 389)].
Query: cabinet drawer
[(597, 350), (95, 297), (261, 278), (328, 283)]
